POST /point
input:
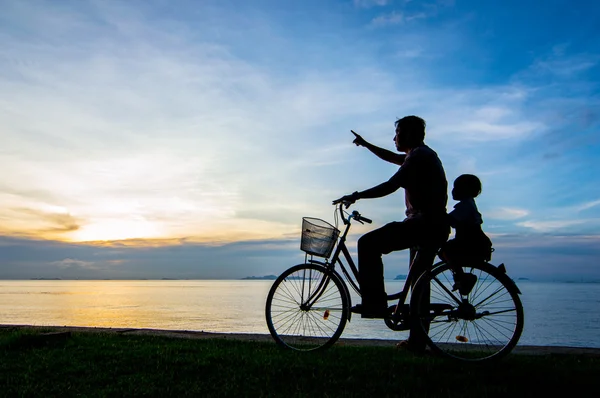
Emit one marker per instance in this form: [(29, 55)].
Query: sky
[(187, 139)]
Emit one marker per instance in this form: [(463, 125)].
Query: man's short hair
[(414, 127)]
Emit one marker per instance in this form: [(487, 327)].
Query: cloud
[(547, 240), (484, 115), (588, 205), (548, 226), (562, 63), (396, 18), (30, 258), (371, 3), (60, 222), (44, 220), (411, 53), (546, 256), (393, 18), (505, 213), (531, 255), (69, 262), (480, 130)]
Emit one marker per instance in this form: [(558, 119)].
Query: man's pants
[(427, 234)]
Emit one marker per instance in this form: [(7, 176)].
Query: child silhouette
[(470, 243)]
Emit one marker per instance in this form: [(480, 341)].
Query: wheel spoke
[(307, 308), (485, 324)]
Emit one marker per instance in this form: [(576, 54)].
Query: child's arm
[(451, 219), (459, 214)]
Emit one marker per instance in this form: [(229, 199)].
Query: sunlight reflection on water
[(555, 313)]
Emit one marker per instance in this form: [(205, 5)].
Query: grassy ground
[(98, 365)]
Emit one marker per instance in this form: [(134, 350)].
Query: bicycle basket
[(318, 237)]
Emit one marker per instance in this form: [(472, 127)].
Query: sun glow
[(105, 230)]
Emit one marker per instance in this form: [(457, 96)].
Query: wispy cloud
[(588, 205), (70, 263), (565, 64), (371, 3), (552, 225), (505, 213), (396, 18), (488, 114), (44, 220)]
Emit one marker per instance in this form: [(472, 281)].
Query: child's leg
[(455, 255), (452, 255)]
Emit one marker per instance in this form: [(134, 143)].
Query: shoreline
[(265, 338)]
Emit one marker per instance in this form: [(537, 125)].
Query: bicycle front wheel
[(307, 308), (480, 324)]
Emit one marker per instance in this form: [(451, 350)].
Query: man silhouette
[(422, 176)]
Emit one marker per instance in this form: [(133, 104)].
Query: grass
[(99, 365)]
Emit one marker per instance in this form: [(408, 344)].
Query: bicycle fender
[(346, 291), (502, 268)]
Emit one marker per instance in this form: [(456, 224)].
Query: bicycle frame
[(342, 250)]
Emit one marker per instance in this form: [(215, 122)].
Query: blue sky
[(187, 139)]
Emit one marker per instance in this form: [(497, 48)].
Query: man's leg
[(371, 246), (421, 262), (432, 236)]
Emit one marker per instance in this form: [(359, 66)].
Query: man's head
[(410, 133)]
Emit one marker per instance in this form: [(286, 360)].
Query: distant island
[(523, 279), (45, 279), (400, 277), (262, 278)]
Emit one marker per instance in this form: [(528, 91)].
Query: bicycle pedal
[(396, 325), (397, 310), (369, 313)]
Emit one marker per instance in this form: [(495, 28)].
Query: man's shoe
[(405, 345), (370, 313)]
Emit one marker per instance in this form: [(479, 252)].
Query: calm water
[(563, 314)]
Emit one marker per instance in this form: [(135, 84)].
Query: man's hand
[(359, 141), (384, 154), (347, 200)]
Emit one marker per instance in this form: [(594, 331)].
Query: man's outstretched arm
[(378, 191), (381, 153), (392, 185)]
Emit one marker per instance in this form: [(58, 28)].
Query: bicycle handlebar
[(355, 214), (360, 218)]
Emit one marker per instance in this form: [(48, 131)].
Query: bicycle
[(309, 304)]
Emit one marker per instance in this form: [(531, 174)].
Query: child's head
[(466, 186)]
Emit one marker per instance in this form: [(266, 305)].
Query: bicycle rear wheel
[(307, 308), (481, 325)]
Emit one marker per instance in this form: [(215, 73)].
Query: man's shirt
[(424, 181)]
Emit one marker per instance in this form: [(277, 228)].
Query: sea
[(556, 313)]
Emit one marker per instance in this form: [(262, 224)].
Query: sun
[(106, 230)]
